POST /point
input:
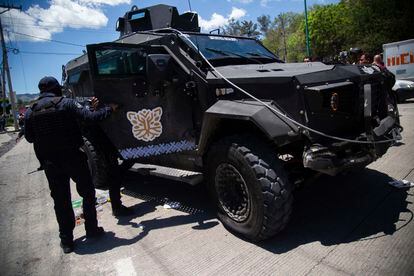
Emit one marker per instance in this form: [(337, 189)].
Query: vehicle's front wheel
[(250, 187)]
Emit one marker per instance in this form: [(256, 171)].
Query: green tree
[(249, 29), (329, 28), (376, 22), (232, 27), (244, 28), (264, 22), (285, 36)]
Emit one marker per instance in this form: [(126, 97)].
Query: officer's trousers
[(115, 179), (59, 170)]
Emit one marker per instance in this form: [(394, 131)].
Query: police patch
[(146, 123)]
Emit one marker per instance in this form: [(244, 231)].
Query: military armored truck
[(227, 109)]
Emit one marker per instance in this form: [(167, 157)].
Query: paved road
[(352, 224)]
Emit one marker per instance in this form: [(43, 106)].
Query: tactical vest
[(55, 131)]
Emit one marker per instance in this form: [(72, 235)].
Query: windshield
[(222, 47)]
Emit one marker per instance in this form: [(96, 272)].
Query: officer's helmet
[(50, 84)]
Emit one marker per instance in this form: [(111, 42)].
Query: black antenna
[(189, 4)]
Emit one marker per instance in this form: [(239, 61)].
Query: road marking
[(125, 267)]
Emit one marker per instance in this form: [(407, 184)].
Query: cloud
[(44, 22), (218, 20), (241, 1), (106, 2), (264, 3)]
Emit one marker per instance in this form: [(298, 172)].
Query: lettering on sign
[(404, 58)]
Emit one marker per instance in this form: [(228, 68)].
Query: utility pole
[(6, 66), (3, 90), (308, 51)]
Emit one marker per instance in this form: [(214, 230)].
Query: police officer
[(52, 126)]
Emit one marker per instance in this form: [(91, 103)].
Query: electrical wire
[(277, 112), (50, 53), (101, 30), (20, 57), (31, 22), (18, 51), (51, 40)]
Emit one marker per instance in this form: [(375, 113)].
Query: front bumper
[(331, 161), (337, 157)]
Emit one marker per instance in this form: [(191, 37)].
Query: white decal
[(368, 70), (223, 38), (146, 123)]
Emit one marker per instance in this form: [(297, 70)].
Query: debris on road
[(102, 197), (77, 209), (401, 183), (171, 204)]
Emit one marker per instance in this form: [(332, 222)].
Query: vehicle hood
[(263, 72)]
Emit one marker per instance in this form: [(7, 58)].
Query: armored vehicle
[(226, 109)]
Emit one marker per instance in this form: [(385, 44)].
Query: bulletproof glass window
[(74, 79), (218, 47), (121, 61)]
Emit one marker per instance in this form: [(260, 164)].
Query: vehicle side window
[(121, 61)]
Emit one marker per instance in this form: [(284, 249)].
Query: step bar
[(189, 177)]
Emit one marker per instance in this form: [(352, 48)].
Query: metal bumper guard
[(333, 159), (322, 159)]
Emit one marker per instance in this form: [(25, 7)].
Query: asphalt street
[(353, 224)]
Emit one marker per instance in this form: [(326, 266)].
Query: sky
[(80, 22)]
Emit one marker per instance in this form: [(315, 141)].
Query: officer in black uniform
[(51, 124)]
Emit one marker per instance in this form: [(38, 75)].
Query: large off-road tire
[(249, 186), (99, 164)]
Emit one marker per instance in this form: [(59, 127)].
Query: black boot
[(96, 233), (121, 211), (67, 247)]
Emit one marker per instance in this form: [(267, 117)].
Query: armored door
[(149, 121)]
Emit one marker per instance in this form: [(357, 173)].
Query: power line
[(53, 22), (47, 39), (101, 30), (18, 51), (50, 53), (20, 57)]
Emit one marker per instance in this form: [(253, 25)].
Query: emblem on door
[(146, 123)]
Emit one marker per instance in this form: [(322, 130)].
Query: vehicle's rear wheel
[(250, 187), (99, 164)]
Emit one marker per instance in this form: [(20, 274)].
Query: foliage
[(286, 30), (366, 24), (328, 29), (244, 28)]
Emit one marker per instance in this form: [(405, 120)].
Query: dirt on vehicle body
[(228, 108)]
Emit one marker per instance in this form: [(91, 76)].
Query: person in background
[(2, 122), (365, 59), (378, 62)]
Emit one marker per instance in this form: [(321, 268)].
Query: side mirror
[(159, 72)]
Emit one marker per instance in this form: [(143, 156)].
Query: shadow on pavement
[(155, 192), (331, 210), (343, 209)]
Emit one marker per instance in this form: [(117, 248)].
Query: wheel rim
[(232, 192)]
